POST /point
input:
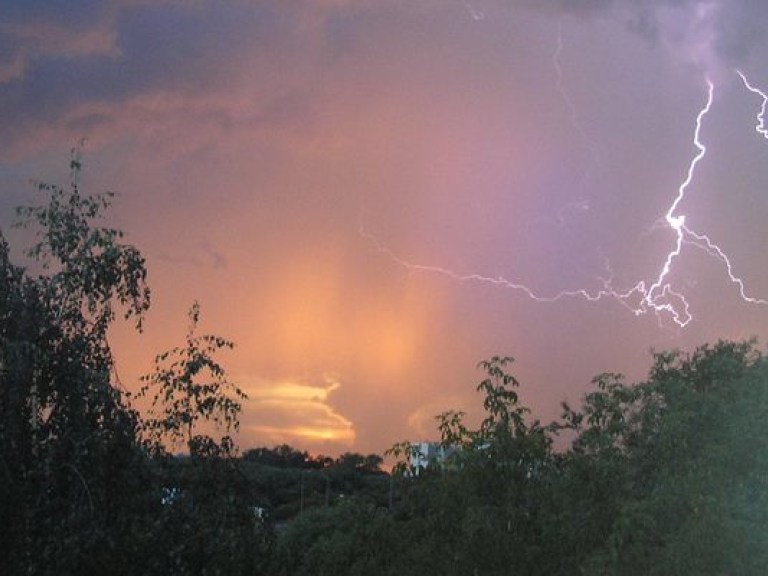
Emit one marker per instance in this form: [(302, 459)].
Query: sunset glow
[(343, 186)]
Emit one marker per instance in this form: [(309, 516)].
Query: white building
[(425, 454)]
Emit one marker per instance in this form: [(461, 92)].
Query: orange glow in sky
[(250, 142)]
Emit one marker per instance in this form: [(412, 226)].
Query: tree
[(354, 537), (190, 387), (68, 436), (370, 463), (482, 511), (697, 495), (283, 456), (79, 491)]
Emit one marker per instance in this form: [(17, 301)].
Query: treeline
[(287, 482), (664, 476), (285, 456)]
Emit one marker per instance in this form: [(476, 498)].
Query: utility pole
[(301, 476)]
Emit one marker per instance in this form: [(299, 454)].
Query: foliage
[(405, 454), (283, 456), (667, 476), (698, 490), (79, 494), (191, 386), (67, 435), (91, 267), (355, 537), (289, 482)]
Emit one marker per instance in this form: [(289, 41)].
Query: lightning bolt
[(659, 290), (760, 127), (581, 204), (658, 297), (477, 15), (500, 281), (561, 87)]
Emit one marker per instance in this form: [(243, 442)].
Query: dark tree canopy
[(79, 492)]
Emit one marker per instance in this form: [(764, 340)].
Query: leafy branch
[(191, 387)]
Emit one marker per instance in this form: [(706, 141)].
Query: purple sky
[(342, 184)]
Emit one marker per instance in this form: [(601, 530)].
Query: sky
[(371, 196)]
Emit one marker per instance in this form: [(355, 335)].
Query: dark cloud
[(739, 25), (741, 29), (72, 14), (32, 31), (156, 48), (176, 45)]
